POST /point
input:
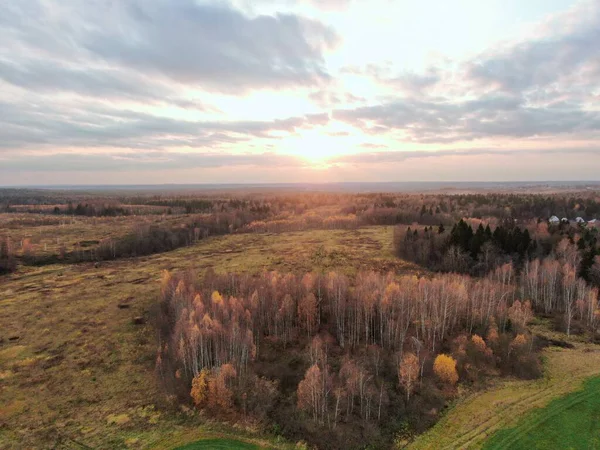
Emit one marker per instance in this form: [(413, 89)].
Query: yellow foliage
[(199, 390), (216, 298), (444, 367), (118, 419)]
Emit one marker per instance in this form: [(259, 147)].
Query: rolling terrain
[(77, 348), (77, 369)]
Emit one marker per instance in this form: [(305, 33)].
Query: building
[(554, 220)]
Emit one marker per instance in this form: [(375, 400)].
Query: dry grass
[(477, 416), (67, 231), (77, 369)]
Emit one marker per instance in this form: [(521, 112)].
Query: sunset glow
[(275, 89)]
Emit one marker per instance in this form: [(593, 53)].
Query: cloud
[(149, 161), (324, 99), (540, 86), (108, 83), (448, 121), (77, 74), (543, 85), (409, 82), (27, 126), (214, 47), (211, 46), (414, 83), (330, 5), (563, 49), (323, 5), (372, 145), (114, 77), (391, 157)]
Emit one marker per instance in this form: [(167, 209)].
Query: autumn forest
[(381, 310)]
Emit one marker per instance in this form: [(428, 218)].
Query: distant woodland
[(175, 221)]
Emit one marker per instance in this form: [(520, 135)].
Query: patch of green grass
[(477, 416), (570, 422), (216, 444)]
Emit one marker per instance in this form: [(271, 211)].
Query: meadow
[(74, 366), (572, 421), (78, 339)]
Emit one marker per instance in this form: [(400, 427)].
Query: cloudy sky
[(199, 91)]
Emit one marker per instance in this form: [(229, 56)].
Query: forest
[(366, 350), (460, 249)]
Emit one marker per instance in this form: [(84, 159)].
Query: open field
[(480, 415), (219, 443), (48, 233), (74, 368), (572, 421)]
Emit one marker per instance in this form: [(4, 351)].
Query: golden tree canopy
[(444, 367)]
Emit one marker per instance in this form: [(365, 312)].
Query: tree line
[(461, 249), (8, 262), (373, 208)]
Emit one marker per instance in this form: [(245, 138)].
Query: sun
[(319, 144)]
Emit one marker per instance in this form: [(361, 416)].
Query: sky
[(257, 91)]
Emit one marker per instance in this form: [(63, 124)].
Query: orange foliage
[(520, 314), (492, 335), (479, 343), (220, 395), (519, 341), (199, 390)]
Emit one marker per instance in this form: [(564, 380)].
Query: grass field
[(570, 422), (75, 369), (478, 416), (209, 444)]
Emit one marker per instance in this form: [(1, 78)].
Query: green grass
[(210, 444), (477, 416), (571, 422)]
